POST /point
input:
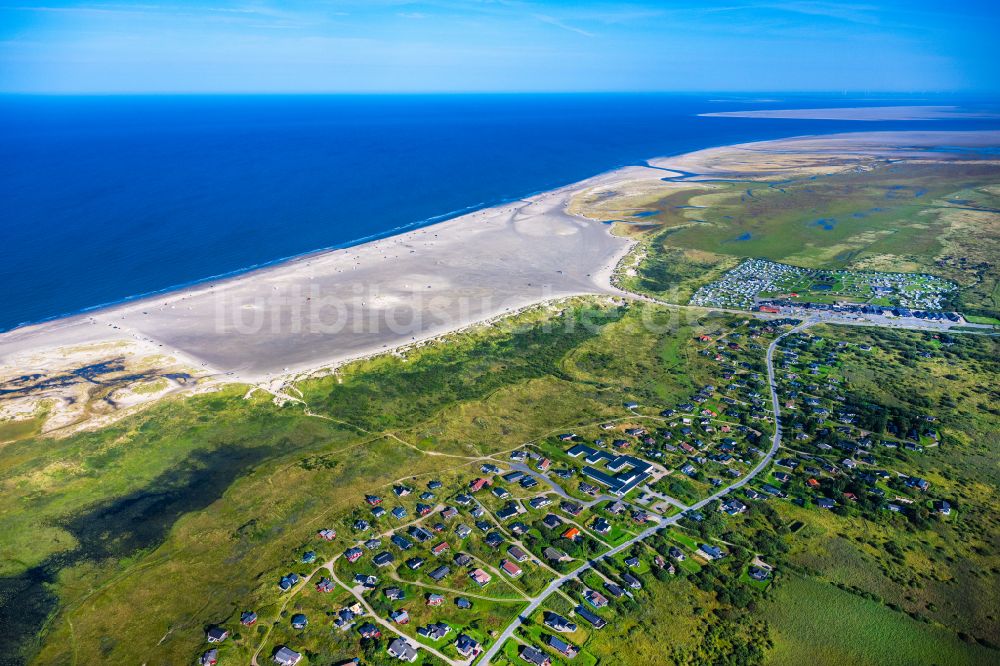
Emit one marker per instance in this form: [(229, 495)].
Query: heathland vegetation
[(936, 218), (126, 543)]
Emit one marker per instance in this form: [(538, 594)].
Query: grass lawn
[(831, 626)]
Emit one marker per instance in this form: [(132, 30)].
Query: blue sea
[(106, 198)]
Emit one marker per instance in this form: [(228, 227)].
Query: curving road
[(537, 600)]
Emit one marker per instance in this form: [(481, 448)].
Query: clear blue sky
[(497, 45)]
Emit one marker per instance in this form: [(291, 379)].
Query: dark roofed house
[(557, 622), (402, 650), (632, 581), (561, 646), (439, 573), (401, 542), (369, 630), (384, 558), (434, 631), (467, 646), (299, 621), (517, 553), (597, 621), (248, 618), (711, 552), (400, 616), (509, 510), (288, 582), (419, 533), (210, 658), (572, 508), (216, 635), (533, 655), (345, 616), (463, 603), (539, 502), (602, 526)]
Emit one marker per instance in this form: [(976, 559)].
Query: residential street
[(537, 600)]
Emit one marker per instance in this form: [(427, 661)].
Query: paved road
[(537, 600)]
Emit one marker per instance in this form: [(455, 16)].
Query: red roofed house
[(510, 568), (480, 576)]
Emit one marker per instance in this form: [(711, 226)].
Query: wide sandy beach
[(323, 309)]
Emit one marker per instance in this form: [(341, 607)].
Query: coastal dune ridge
[(323, 309)]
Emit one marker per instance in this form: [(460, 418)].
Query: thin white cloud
[(551, 20)]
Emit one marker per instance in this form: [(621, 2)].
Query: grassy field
[(814, 620), (207, 498), (125, 543), (909, 584)]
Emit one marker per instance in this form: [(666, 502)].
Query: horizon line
[(848, 94)]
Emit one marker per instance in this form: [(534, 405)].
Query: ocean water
[(106, 198)]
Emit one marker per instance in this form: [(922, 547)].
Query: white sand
[(333, 306), (330, 307), (864, 113)]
